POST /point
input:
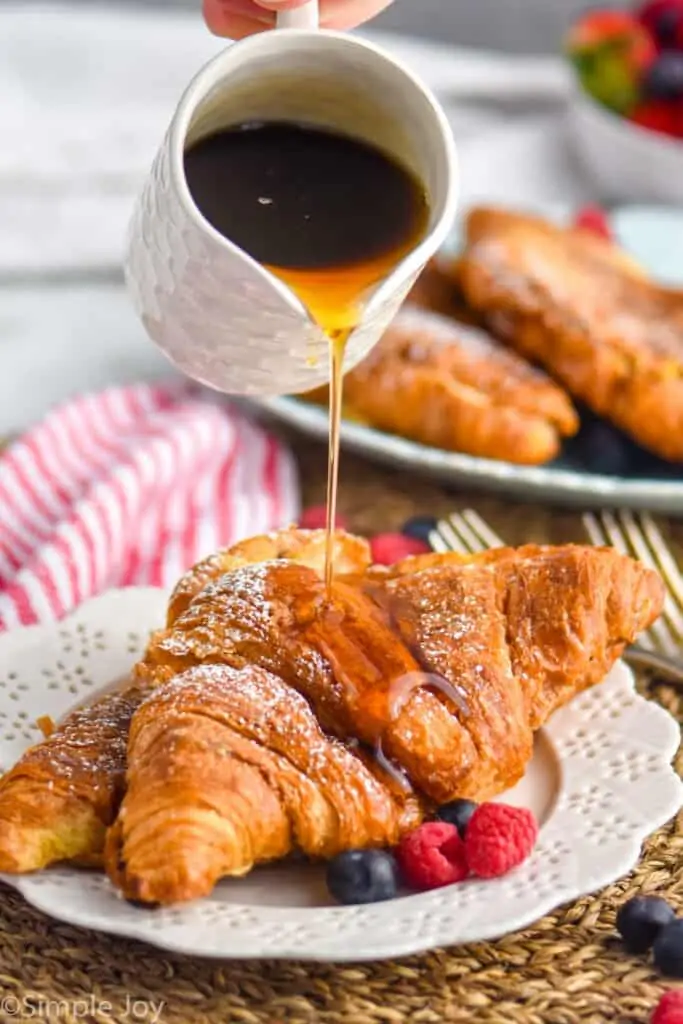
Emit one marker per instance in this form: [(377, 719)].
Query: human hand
[(238, 18)]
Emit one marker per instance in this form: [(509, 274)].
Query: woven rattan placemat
[(567, 969)]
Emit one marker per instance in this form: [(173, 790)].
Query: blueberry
[(641, 919), (600, 448), (362, 876), (668, 949), (664, 79), (419, 527), (458, 813)]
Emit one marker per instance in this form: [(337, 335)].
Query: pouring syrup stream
[(328, 214), (337, 349)]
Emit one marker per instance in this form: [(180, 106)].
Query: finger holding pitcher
[(238, 18)]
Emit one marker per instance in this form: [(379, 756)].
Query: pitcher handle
[(305, 16)]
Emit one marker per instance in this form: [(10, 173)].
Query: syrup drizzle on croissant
[(518, 632)]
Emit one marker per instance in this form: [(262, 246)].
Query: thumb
[(280, 5)]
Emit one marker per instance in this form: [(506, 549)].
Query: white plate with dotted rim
[(600, 782)]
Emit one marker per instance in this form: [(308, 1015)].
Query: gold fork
[(659, 647)]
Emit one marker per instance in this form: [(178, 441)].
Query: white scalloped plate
[(600, 781)]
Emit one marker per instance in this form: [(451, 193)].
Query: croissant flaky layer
[(58, 800), (433, 673), (229, 768), (270, 716), (512, 633)]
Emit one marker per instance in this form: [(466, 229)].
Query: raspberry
[(388, 548), (593, 219), (431, 856), (669, 1009), (499, 838), (315, 518)]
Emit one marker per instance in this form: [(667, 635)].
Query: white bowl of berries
[(626, 115)]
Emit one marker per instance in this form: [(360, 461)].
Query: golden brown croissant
[(230, 768), (58, 800), (455, 387), (437, 290), (56, 803), (443, 666), (579, 307), (568, 611), (350, 555)]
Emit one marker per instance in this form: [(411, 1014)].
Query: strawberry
[(659, 116), (611, 51), (596, 27)]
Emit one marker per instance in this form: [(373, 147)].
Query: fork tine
[(437, 543), (482, 529), (662, 628), (444, 539), (465, 533), (614, 534), (669, 570), (603, 532), (592, 527)]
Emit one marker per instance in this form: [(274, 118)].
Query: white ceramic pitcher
[(216, 313)]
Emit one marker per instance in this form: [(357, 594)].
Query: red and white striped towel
[(131, 486)]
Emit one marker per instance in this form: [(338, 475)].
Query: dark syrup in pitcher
[(330, 215)]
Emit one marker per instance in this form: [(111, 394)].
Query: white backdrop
[(86, 93), (521, 26)]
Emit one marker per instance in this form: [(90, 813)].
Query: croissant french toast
[(267, 719), (579, 307), (452, 386), (269, 693), (350, 556), (58, 800), (230, 768), (437, 290)]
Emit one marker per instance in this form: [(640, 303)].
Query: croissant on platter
[(578, 306), (62, 795), (453, 386), (59, 799)]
